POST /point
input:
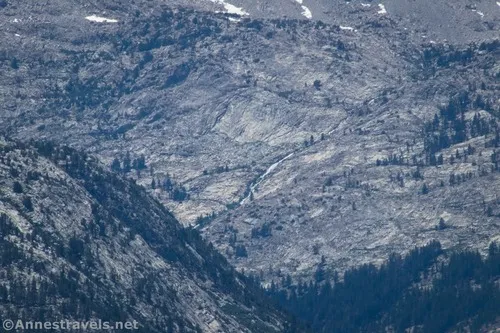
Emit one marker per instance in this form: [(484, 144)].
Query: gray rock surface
[(215, 101)]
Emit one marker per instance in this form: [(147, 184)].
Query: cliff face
[(306, 139), (79, 243)]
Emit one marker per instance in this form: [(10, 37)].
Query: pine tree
[(127, 163), (115, 165), (442, 224), (28, 204), (14, 63), (17, 188)]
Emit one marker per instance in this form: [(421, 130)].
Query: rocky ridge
[(79, 243)]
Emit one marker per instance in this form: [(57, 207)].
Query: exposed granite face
[(218, 104)]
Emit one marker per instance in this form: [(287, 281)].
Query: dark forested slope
[(426, 291)]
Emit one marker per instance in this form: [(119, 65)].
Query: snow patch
[(382, 9), (98, 19), (366, 5), (498, 3), (231, 9), (480, 13), (305, 11), (347, 28)]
